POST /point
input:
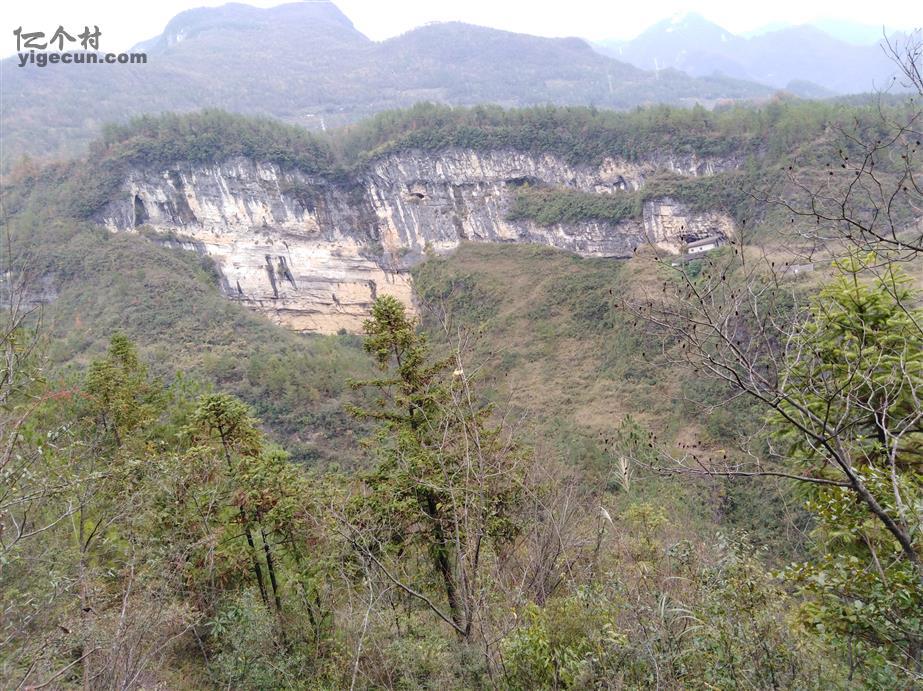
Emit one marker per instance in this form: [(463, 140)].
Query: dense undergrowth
[(468, 524), (750, 141), (168, 301)]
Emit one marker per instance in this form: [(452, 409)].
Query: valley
[(461, 359)]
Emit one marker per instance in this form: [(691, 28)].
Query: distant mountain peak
[(315, 16), (305, 62), (687, 21), (806, 55), (688, 18)]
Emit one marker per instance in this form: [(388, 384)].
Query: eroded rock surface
[(312, 253)]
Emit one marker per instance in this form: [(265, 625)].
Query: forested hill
[(97, 282), (548, 472), (758, 142), (307, 64)]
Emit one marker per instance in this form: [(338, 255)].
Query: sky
[(123, 24)]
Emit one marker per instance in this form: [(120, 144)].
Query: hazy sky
[(122, 24)]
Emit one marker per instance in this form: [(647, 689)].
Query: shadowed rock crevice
[(140, 212), (272, 277)]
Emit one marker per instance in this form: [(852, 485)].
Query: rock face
[(313, 253)]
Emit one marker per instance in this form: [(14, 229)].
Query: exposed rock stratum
[(312, 252)]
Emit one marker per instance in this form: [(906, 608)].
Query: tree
[(838, 396), (841, 381), (858, 367), (223, 419), (30, 509), (447, 477), (840, 376), (868, 196), (92, 602)]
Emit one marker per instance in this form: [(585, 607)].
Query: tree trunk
[(270, 565), (245, 523), (86, 607), (257, 570), (443, 563)]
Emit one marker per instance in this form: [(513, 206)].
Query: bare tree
[(907, 54), (746, 324), (747, 332), (869, 195)]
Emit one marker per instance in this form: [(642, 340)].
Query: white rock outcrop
[(313, 252)]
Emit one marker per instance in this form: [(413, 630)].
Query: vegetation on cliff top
[(507, 524), (752, 140), (579, 135), (730, 191)]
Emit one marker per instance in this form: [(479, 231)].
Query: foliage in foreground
[(174, 539), (860, 367)]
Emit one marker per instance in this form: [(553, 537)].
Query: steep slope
[(286, 60), (314, 254), (311, 241), (210, 214), (309, 229), (94, 284), (306, 63)]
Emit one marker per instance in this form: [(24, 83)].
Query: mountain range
[(803, 59), (307, 63)]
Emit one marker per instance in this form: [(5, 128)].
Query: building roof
[(710, 240)]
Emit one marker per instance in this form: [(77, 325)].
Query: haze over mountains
[(803, 59), (306, 63)]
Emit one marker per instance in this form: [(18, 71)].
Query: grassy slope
[(551, 342), (547, 336), (168, 302), (550, 338)]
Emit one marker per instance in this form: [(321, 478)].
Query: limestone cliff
[(313, 252)]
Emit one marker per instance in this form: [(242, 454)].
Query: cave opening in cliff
[(140, 212)]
